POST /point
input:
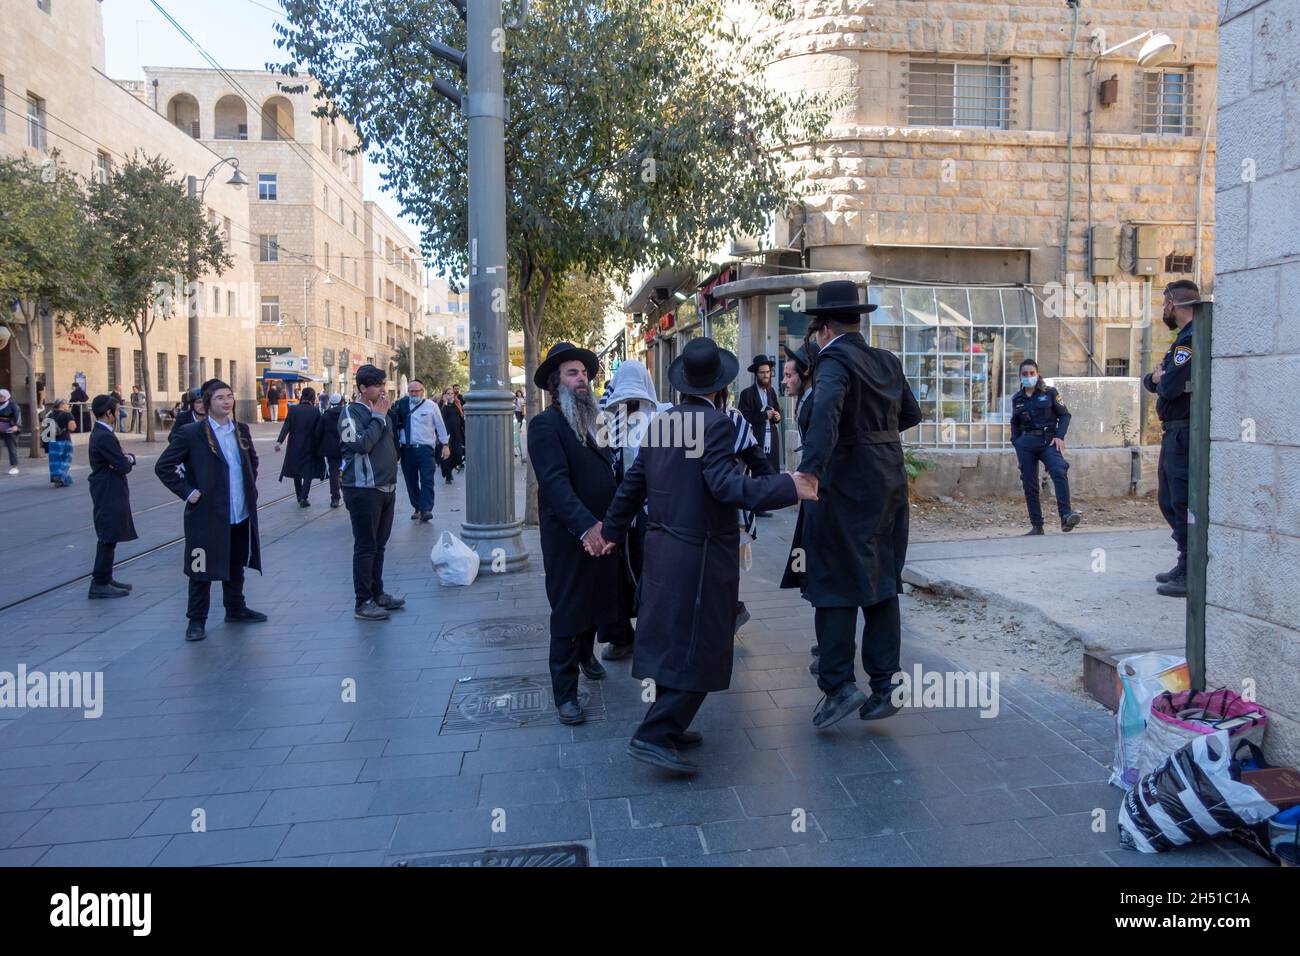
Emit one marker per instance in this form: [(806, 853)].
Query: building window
[(328, 308), (234, 376), (225, 228), (103, 167), (2, 103), (203, 368), (341, 219), (354, 222), (1178, 262), (137, 368), (949, 93), (268, 248), (325, 202), (271, 310), (216, 368), (162, 372), (327, 257), (216, 301), (183, 372), (266, 187), (35, 122), (1167, 102), (43, 5), (114, 368), (1117, 351)]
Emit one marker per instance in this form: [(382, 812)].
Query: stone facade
[(89, 119), (1253, 587)]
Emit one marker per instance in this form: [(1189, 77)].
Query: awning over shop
[(671, 278), (782, 284)]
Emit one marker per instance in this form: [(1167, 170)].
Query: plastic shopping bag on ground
[(1141, 677), (1176, 719), (1190, 797), (455, 562)]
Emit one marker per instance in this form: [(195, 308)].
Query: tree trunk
[(33, 420), (144, 375)]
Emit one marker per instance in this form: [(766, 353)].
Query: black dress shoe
[(571, 712), (334, 503), (98, 591), (594, 669), (195, 631), (838, 704), (688, 738), (616, 652), (246, 615), (879, 706), (119, 584), (742, 615), (370, 611), (1071, 521), (1172, 573), (390, 603), (426, 516), (666, 757), (304, 503), (415, 515), (1176, 586), (1036, 529)]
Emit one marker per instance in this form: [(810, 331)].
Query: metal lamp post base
[(491, 527)]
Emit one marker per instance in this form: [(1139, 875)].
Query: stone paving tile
[(703, 806), (635, 844), (222, 846), (772, 856), (317, 803), (808, 793), (875, 820), (415, 794), (206, 782), (140, 851), (337, 836), (1072, 797), (542, 785), (84, 824), (229, 811), (867, 852), (1000, 842)]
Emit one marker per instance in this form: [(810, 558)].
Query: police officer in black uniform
[(1039, 421), (1171, 380)]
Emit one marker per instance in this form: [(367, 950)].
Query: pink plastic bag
[(1177, 718)]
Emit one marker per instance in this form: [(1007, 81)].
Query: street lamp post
[(195, 190), (308, 281)]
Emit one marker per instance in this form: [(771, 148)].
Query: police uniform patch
[(1182, 354)]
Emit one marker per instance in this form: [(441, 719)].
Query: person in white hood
[(629, 407)]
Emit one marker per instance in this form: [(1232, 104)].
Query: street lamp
[(195, 190), (307, 282)]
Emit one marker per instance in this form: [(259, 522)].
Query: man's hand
[(446, 452), (805, 485), (381, 405), (277, 446), (1158, 373), (773, 415), (1058, 444), (131, 455), (195, 495), (593, 543)]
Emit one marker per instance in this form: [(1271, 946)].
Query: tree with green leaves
[(437, 362), (159, 243), (639, 134), (50, 260)]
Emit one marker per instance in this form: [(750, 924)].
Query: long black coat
[(854, 536), (575, 484), (750, 404), (300, 458), (109, 496), (184, 417), (207, 521), (326, 436), (692, 550), (455, 422), (795, 566)]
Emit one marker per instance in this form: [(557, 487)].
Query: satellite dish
[(1156, 50)]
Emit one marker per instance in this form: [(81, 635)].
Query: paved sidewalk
[(252, 728)]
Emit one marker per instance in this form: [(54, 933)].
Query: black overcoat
[(691, 574), (326, 434), (750, 404), (207, 522), (794, 564), (109, 496), (455, 422), (854, 536), (575, 484), (300, 458)]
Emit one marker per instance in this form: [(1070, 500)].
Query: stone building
[(942, 189), (338, 278), (54, 95), (1253, 577)]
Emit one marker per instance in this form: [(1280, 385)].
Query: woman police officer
[(1039, 421)]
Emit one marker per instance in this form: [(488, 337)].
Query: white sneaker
[(13, 470)]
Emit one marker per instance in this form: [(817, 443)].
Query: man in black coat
[(691, 576), (301, 463), (796, 378), (219, 488), (854, 539), (110, 499), (761, 407), (575, 484), (326, 443)]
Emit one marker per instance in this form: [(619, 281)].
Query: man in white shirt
[(417, 426)]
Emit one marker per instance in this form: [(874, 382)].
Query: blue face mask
[(1028, 381)]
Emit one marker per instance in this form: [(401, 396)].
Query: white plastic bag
[(455, 562), (1141, 677)]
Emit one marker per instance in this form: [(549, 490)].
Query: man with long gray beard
[(575, 484)]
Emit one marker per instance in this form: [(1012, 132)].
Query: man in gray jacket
[(369, 490)]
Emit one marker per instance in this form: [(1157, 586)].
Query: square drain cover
[(560, 854), (497, 635), (502, 703)]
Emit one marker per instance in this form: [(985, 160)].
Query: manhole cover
[(500, 703), (558, 855), (497, 635)]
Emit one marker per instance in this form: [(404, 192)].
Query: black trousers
[(371, 511), (567, 651), (1174, 448), (333, 466), (104, 553), (882, 638), (11, 445), (232, 588), (302, 488), (1030, 449), (669, 715)]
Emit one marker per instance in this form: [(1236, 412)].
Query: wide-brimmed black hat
[(560, 353), (759, 361), (838, 300), (703, 368), (800, 356)]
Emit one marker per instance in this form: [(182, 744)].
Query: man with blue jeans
[(417, 424)]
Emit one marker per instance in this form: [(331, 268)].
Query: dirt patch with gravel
[(948, 519)]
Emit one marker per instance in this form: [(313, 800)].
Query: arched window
[(183, 113), (277, 118), (231, 116)]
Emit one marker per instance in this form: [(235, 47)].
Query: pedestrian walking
[(760, 405), (854, 538), (453, 417), (1171, 380), (520, 406), (1039, 421), (575, 484), (11, 422), (110, 499), (137, 410), (796, 379), (57, 431), (686, 625), (218, 484), (327, 445), (370, 491), (419, 429), (301, 463)]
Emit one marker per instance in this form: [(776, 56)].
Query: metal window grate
[(1168, 102), (958, 93), (1178, 262)]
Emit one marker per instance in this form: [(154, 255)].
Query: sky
[(238, 34)]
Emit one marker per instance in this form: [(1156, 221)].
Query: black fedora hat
[(838, 299), (702, 368), (759, 361), (800, 356), (560, 353)]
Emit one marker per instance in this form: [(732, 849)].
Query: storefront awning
[(782, 284), (671, 278)]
